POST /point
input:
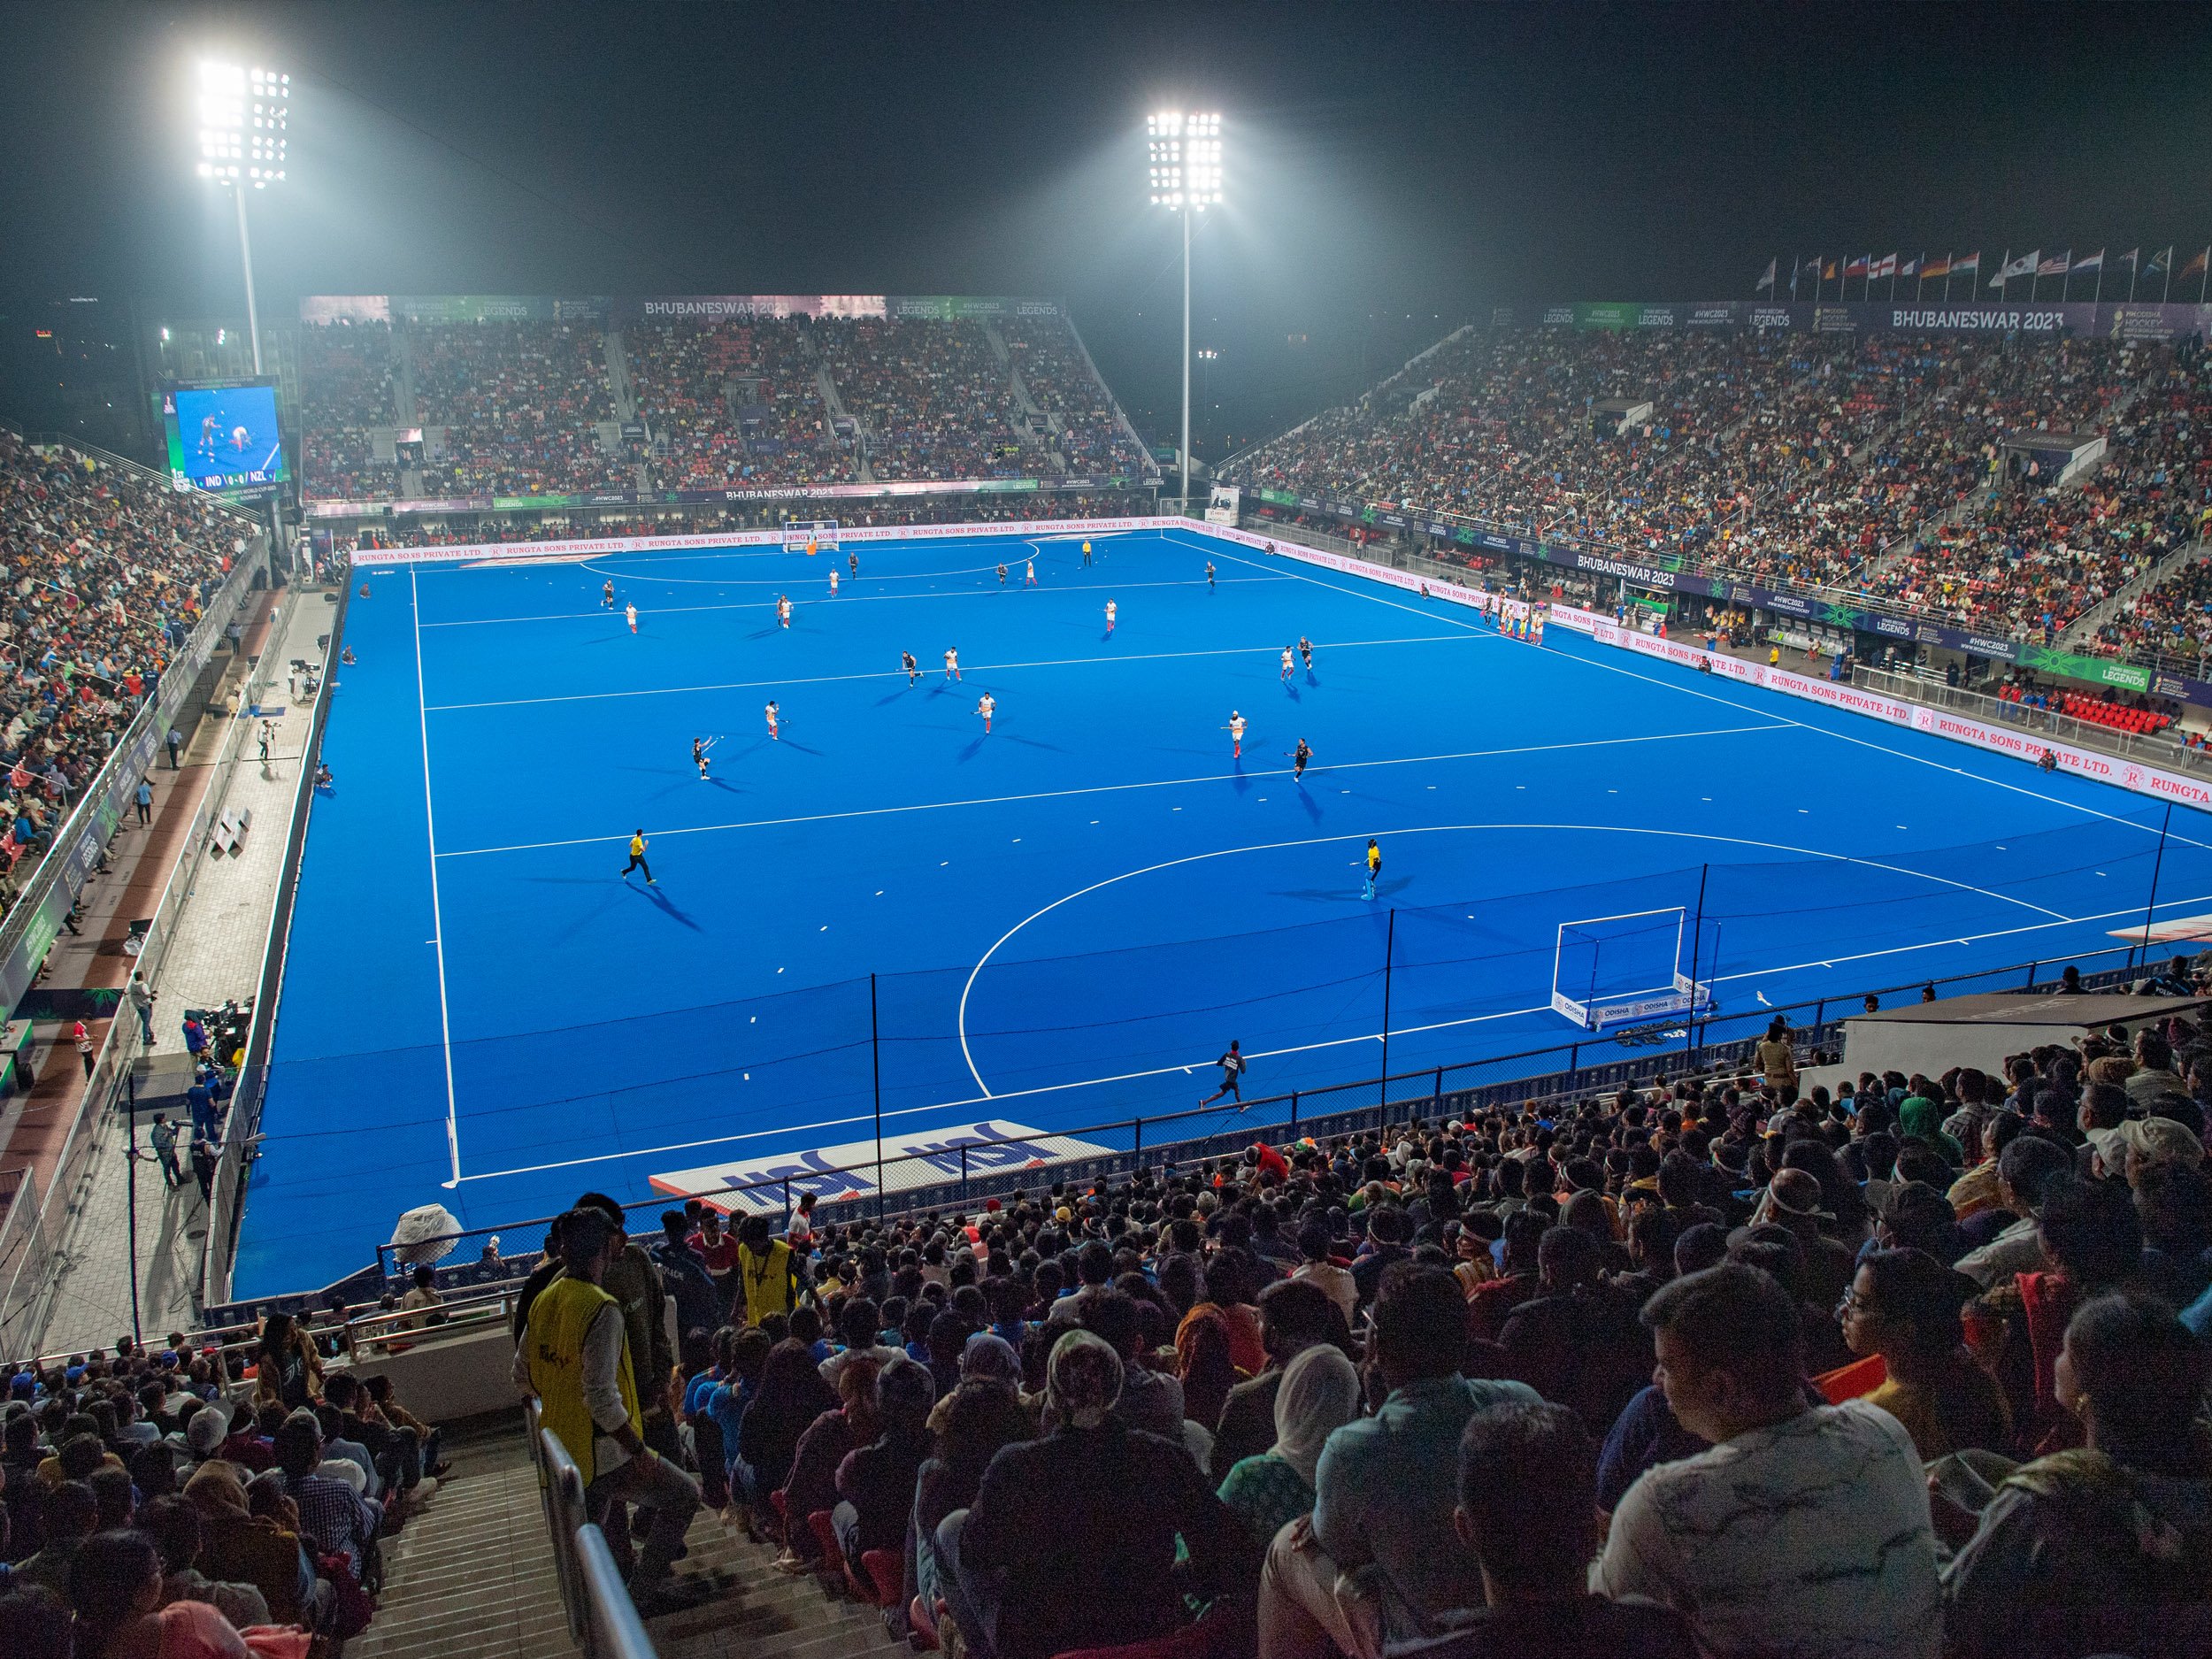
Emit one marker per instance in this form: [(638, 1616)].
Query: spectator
[(334, 1518), (1527, 1514), (287, 1369), (1294, 1315), (115, 1587), (875, 1483), (1319, 1393), (238, 1547), (1314, 1246), (822, 1451), (1578, 1342), (174, 1526), (1070, 1542), (67, 1515), (791, 1395), (1808, 1519), (974, 1421), (2100, 1550), (1904, 1306), (1384, 1489)]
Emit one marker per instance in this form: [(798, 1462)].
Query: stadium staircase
[(474, 1577), (2085, 627), (404, 408)]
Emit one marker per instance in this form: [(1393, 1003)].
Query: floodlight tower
[(1185, 163), (243, 117)]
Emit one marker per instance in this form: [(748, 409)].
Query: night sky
[(1393, 169)]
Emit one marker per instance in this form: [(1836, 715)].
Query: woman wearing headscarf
[(970, 1425), (1922, 1117), (287, 1371), (1070, 1542), (1320, 1393)]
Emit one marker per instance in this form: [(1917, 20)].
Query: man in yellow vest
[(767, 1269), (575, 1358)]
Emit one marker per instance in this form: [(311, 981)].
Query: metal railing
[(603, 1620), (2161, 747), (966, 1176), (242, 1128)]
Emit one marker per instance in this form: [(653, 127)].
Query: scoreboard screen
[(224, 438)]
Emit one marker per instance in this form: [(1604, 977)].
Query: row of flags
[(2035, 265)]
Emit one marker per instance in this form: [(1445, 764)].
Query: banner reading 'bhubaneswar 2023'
[(2112, 320)]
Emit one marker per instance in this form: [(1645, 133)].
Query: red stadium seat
[(1212, 1637), (887, 1576), (826, 1535), (921, 1624)]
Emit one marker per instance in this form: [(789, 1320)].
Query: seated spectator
[(239, 1546), (2027, 1165), (875, 1483), (1294, 1315), (820, 1451), (1904, 1307), (2091, 1235), (1526, 1514), (2101, 1549), (66, 1518), (1318, 1393), (115, 1587), (174, 1526), (1808, 1519), (1368, 1568), (34, 1622), (1071, 1540), (970, 1424), (790, 1397), (1149, 1399), (1578, 1342), (334, 1518), (1319, 1268)]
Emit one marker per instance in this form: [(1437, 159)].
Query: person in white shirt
[(1804, 1529), (1313, 1244), (2024, 1168)]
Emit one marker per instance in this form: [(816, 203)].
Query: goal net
[(1616, 970), (809, 535)]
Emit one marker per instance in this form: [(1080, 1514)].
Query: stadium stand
[(933, 395), (520, 403), (2171, 619), (107, 572), (1875, 466), (1059, 379), (1059, 1423), (346, 388), (734, 401)]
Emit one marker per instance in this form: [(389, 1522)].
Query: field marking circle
[(1437, 829)]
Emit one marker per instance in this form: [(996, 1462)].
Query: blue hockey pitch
[(1066, 919)]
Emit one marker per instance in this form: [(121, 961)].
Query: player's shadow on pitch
[(801, 747), (767, 634), (668, 907), (1031, 742), (1312, 807)]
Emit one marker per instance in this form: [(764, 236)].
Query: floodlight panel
[(245, 120)]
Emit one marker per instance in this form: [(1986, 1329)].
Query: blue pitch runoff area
[(1069, 919)]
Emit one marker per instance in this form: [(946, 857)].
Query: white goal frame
[(799, 534), (1682, 993)]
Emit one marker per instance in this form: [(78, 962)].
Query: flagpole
[(2205, 282), (2004, 282), (2166, 288)]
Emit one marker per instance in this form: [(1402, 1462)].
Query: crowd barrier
[(966, 1173)]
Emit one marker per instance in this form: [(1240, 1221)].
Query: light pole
[(1186, 177), (244, 114), (1207, 356)]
